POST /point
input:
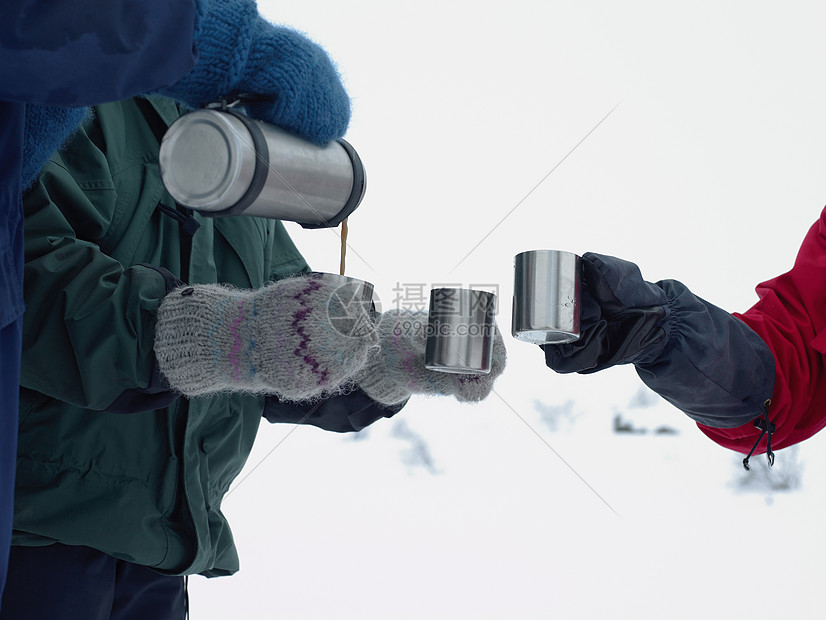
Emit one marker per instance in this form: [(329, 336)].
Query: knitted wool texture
[(47, 128), (241, 53), (274, 340), (397, 370)]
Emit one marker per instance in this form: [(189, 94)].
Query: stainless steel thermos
[(221, 162)]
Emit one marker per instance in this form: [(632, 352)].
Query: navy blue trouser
[(9, 389), (59, 582)]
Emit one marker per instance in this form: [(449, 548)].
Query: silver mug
[(461, 328), (546, 297)]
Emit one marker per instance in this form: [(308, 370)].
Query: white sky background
[(710, 171)]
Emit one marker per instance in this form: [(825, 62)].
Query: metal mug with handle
[(546, 297)]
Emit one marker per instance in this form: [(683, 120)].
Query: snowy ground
[(471, 512), (710, 170)]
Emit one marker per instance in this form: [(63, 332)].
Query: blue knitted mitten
[(47, 128), (241, 53)]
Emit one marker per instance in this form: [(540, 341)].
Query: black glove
[(620, 322), (700, 358)]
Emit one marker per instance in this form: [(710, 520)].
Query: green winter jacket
[(102, 247)]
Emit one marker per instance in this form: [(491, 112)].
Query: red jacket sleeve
[(791, 318)]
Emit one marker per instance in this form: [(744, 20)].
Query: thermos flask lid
[(207, 160)]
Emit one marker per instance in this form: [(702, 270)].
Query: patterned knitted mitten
[(275, 340), (397, 370), (241, 53)]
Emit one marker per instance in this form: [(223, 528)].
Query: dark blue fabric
[(70, 54), (60, 582), (715, 368), (700, 358), (9, 384), (11, 310), (11, 213), (86, 52), (154, 396), (346, 413)]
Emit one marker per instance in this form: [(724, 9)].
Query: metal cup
[(461, 327), (546, 297)]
